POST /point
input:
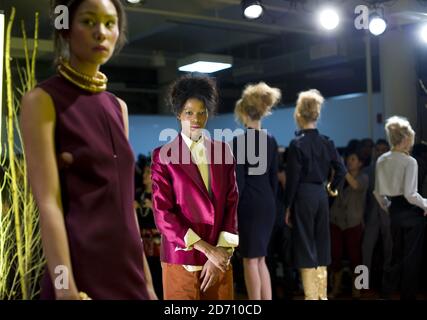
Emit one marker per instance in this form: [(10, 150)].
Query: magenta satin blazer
[(181, 200)]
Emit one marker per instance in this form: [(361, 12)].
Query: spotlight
[(329, 19), (423, 33), (133, 1), (377, 24), (252, 9)]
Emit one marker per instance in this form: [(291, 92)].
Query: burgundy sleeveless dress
[(97, 194)]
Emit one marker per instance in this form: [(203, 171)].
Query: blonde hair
[(398, 129), (256, 102), (309, 105)]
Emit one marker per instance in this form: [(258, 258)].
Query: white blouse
[(396, 174)]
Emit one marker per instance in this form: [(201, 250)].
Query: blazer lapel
[(213, 168), (191, 168)]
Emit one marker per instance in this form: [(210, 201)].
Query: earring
[(65, 52)]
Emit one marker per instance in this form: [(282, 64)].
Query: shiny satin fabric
[(181, 200)]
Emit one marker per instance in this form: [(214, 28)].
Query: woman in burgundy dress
[(81, 166)]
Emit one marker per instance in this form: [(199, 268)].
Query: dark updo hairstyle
[(197, 87), (59, 36)]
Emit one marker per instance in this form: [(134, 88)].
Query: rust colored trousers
[(180, 284)]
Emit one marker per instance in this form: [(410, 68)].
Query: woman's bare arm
[(37, 125)]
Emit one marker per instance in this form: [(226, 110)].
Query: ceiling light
[(377, 24), (252, 9), (205, 63), (329, 19)]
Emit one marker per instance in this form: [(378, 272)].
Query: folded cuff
[(227, 240), (190, 239)]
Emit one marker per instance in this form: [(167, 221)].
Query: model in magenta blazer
[(181, 200)]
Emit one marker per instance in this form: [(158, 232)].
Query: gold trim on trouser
[(310, 283), (322, 276)]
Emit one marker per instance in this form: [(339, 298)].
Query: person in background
[(279, 259), (352, 146), (149, 233), (347, 214), (139, 168), (257, 190), (420, 154), (365, 151), (396, 190), (377, 221), (311, 156)]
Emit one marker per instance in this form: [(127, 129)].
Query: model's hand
[(217, 255), (209, 276), (288, 217)]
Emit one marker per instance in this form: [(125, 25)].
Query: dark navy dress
[(256, 174)]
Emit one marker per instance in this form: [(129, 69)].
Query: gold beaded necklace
[(95, 84)]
